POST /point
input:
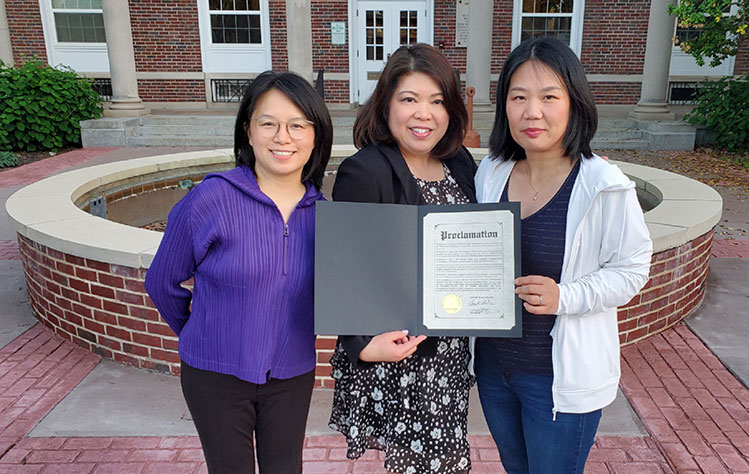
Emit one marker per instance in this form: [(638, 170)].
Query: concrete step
[(227, 120), (188, 120), (622, 134), (207, 129), (181, 140), (217, 130), (598, 144)]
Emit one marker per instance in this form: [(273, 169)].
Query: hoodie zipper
[(285, 245)]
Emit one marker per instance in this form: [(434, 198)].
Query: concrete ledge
[(687, 209), (85, 274), (44, 211)]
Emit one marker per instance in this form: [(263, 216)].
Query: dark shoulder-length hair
[(371, 125), (301, 93), (583, 120)]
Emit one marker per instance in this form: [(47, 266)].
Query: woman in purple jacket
[(246, 236)]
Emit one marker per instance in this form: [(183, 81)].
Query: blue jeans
[(518, 410)]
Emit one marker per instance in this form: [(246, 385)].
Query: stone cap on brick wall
[(45, 211)]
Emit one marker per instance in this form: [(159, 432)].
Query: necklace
[(537, 192)]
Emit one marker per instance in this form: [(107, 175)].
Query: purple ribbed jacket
[(252, 311)]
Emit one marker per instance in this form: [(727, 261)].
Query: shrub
[(42, 106), (723, 108), (8, 159)]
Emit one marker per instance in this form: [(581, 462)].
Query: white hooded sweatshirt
[(606, 262)]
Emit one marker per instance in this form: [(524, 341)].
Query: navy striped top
[(542, 245)]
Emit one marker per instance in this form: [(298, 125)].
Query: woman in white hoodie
[(585, 251)]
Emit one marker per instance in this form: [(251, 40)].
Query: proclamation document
[(468, 270)]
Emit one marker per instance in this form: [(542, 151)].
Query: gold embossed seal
[(451, 304)]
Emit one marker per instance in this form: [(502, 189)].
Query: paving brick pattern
[(696, 412), (730, 248), (9, 250), (32, 172), (37, 370), (694, 408)]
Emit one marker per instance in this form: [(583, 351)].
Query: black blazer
[(378, 173)]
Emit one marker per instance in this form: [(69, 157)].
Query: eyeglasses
[(267, 127)]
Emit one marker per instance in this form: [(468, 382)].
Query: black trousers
[(227, 412)]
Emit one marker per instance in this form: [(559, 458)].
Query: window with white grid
[(78, 21)]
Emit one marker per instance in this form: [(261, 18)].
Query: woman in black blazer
[(403, 394)]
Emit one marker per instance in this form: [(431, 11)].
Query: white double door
[(381, 28)]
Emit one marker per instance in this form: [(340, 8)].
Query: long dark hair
[(309, 102), (371, 125), (583, 120)]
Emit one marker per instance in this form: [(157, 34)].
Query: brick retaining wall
[(104, 307), (676, 287)]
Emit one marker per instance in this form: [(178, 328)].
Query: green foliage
[(42, 106), (723, 108), (720, 35), (8, 159)]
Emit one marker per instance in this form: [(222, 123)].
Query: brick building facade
[(183, 47)]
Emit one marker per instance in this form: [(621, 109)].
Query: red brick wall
[(675, 289), (278, 52), (332, 57), (501, 35), (172, 90), (25, 27), (336, 91), (614, 35), (98, 306), (444, 31), (742, 59), (104, 307), (324, 346), (616, 92), (166, 37)]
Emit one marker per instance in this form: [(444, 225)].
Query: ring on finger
[(540, 300)]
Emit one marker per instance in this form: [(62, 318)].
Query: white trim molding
[(576, 23)]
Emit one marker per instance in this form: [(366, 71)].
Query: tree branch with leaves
[(721, 31)]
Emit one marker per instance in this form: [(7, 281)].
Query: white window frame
[(576, 24), (78, 10), (234, 57), (81, 57), (353, 64), (684, 64)]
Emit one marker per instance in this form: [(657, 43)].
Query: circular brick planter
[(85, 274)]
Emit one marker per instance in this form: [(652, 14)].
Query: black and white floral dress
[(416, 410)]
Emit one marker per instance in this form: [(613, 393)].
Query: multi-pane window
[(375, 35), (235, 21), (688, 33), (547, 18), (78, 21), (408, 27)]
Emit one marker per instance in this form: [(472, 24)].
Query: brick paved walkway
[(32, 172), (696, 411), (730, 248), (9, 250)]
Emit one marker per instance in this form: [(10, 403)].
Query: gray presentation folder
[(368, 269)]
